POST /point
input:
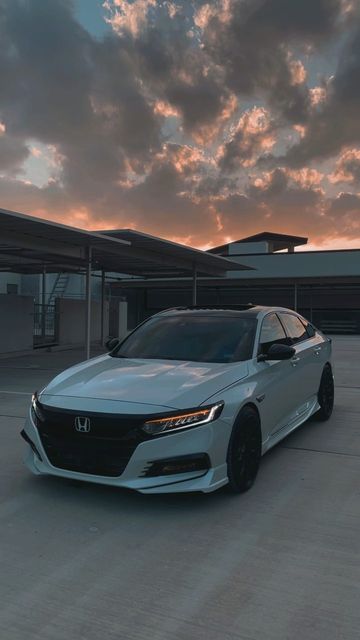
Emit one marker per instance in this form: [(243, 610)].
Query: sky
[(198, 121)]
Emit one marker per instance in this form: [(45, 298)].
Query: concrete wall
[(71, 321), (299, 265), (248, 247), (9, 278), (118, 320), (16, 323)]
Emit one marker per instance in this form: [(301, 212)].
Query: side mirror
[(112, 343), (277, 352)]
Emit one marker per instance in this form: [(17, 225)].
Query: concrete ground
[(281, 562)]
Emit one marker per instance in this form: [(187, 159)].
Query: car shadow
[(104, 499)]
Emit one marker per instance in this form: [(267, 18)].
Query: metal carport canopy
[(27, 244), (31, 245), (173, 259)]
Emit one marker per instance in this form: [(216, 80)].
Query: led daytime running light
[(183, 420)]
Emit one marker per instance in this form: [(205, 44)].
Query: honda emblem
[(82, 424)]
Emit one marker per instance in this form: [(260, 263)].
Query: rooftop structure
[(265, 242)]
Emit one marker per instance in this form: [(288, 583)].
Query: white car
[(189, 401)]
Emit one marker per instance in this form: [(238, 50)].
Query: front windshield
[(196, 338)]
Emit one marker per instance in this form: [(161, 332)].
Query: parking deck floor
[(281, 562)]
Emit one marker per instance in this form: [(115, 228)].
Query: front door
[(277, 379), (308, 374)]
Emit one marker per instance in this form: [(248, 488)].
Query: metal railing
[(45, 324)]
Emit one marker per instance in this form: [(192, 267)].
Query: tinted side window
[(309, 328), (271, 332), (294, 327)]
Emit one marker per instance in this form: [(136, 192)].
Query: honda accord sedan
[(189, 401)]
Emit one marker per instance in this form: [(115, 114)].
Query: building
[(267, 268), (322, 285)]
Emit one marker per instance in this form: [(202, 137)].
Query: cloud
[(336, 123), (253, 135), (346, 205), (347, 168), (186, 119), (13, 153), (298, 72), (252, 47), (129, 16)]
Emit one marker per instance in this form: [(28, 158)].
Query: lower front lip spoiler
[(30, 442)]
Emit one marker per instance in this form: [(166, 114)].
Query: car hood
[(166, 383)]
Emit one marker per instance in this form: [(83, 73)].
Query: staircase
[(59, 288)]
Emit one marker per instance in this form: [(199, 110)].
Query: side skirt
[(299, 419)]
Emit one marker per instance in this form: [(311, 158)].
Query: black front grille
[(104, 450)]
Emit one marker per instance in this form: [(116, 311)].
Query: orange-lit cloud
[(165, 109), (317, 95), (305, 177), (347, 168), (297, 71), (300, 129), (220, 9), (128, 16), (36, 152), (251, 136)]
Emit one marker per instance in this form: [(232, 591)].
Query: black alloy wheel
[(326, 394), (244, 452)]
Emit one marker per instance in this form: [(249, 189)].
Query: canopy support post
[(102, 330), (43, 303), (194, 287), (295, 296), (88, 304)]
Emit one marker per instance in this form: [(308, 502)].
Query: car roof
[(244, 311)]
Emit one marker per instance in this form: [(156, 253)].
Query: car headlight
[(35, 409), (183, 419)]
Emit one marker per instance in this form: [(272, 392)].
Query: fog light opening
[(181, 464)]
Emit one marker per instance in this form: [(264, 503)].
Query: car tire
[(326, 394), (244, 451)]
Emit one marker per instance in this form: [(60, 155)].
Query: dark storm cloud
[(252, 46), (45, 61), (67, 89), (239, 215), (123, 109), (165, 194), (284, 198), (177, 70), (13, 152), (337, 123), (346, 203)]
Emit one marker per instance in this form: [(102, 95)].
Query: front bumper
[(211, 439)]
